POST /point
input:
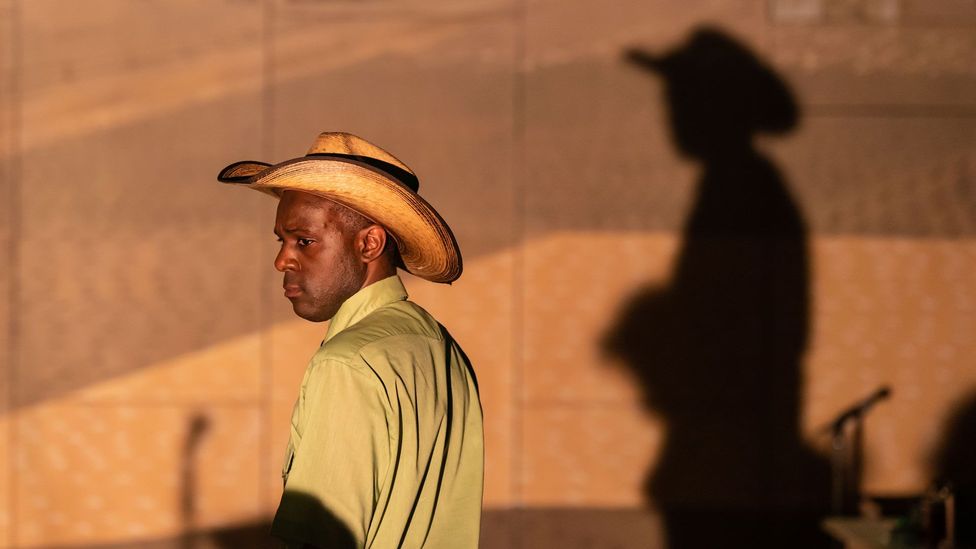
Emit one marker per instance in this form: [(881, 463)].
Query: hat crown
[(348, 144)]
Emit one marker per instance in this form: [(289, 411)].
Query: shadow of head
[(719, 94)]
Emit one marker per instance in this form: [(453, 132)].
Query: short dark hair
[(353, 221)]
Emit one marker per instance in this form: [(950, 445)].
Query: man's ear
[(372, 241)]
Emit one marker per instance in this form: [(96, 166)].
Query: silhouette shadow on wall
[(718, 350), (955, 465)]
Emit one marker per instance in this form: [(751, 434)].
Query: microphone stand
[(847, 454)]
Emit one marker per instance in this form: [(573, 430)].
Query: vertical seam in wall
[(13, 251), (518, 268), (266, 325)]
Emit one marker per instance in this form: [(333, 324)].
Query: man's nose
[(285, 261)]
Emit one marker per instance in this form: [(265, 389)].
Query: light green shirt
[(386, 446)]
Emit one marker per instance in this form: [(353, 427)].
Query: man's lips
[(292, 290)]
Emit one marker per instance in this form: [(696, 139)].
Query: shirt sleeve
[(341, 461)]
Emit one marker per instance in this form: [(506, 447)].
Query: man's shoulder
[(394, 325)]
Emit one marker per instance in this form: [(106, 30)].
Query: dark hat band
[(408, 179)]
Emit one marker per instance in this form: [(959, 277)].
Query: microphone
[(860, 408)]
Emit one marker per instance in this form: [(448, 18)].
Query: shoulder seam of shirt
[(391, 336), (358, 368), (357, 351)]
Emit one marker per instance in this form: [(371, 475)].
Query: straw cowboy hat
[(363, 177)]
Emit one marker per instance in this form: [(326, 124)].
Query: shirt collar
[(365, 301)]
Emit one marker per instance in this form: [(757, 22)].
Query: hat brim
[(426, 244)]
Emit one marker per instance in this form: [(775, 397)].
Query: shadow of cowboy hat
[(714, 77), (361, 176)]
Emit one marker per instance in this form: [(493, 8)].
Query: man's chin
[(310, 314)]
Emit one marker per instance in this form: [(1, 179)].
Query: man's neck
[(377, 274)]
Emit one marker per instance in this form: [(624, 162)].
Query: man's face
[(318, 256)]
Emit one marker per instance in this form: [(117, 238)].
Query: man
[(386, 446)]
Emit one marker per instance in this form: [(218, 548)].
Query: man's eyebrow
[(295, 229)]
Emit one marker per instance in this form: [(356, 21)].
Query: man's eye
[(302, 242)]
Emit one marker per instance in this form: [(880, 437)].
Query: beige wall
[(149, 359)]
